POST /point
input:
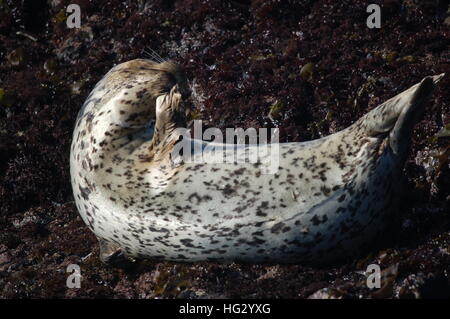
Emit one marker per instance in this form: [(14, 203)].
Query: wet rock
[(16, 57), (71, 49), (50, 65), (307, 71), (29, 217), (388, 277), (170, 282), (5, 260), (326, 293), (276, 111), (420, 285), (435, 163)]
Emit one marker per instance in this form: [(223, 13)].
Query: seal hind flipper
[(396, 117), (400, 135)]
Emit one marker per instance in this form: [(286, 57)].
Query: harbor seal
[(328, 200)]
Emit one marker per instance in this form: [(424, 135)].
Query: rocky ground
[(313, 65)]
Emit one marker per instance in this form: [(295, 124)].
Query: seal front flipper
[(168, 109), (113, 255), (169, 116), (396, 117)]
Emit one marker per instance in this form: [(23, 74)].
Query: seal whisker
[(153, 54)]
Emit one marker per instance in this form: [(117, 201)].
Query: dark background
[(314, 64)]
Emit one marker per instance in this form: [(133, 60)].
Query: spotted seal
[(329, 198)]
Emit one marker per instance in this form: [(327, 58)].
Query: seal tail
[(397, 116)]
